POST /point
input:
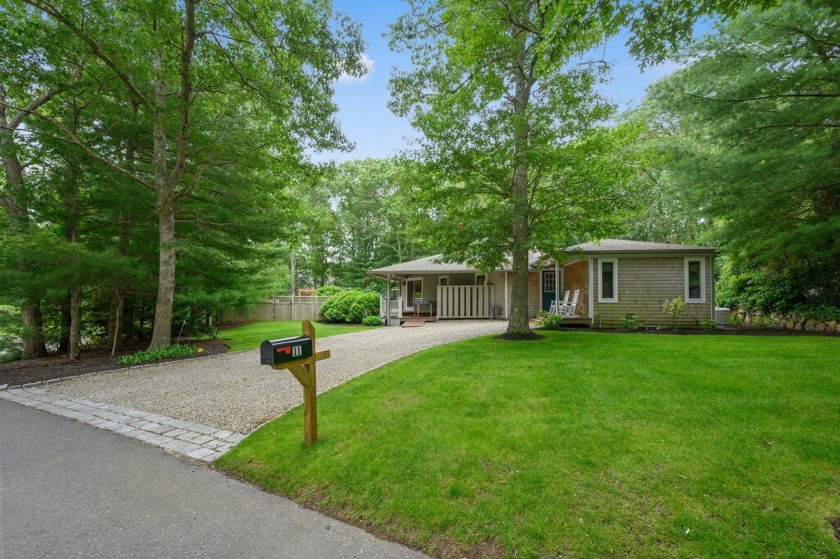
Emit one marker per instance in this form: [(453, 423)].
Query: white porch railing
[(396, 307), (465, 301)]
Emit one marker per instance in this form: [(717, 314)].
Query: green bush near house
[(630, 322), (550, 322), (371, 320), (708, 325), (672, 309), (350, 306)]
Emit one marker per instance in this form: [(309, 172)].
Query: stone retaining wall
[(758, 319)]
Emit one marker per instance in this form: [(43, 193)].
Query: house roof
[(436, 265), (620, 245), (427, 265)]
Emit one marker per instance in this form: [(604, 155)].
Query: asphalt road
[(71, 490)]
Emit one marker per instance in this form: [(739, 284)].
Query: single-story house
[(614, 278)]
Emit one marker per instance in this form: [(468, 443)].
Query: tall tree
[(756, 143), (508, 121), (31, 75), (272, 63)]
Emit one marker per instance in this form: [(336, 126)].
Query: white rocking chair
[(568, 309), (555, 308)]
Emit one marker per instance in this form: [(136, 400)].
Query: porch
[(450, 302), (548, 285)]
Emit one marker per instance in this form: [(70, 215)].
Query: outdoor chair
[(568, 309), (555, 308), (424, 308)]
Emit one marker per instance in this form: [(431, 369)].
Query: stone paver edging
[(192, 440)]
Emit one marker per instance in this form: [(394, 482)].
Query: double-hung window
[(695, 280), (607, 281)]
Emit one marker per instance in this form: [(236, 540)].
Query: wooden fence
[(465, 301), (278, 308)]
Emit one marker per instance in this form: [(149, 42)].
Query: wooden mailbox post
[(298, 355)]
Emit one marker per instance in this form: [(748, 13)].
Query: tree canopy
[(753, 144), (195, 116)]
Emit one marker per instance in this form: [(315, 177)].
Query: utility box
[(276, 352)]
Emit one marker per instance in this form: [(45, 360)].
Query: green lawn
[(251, 336), (583, 444)]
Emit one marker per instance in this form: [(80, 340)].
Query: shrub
[(550, 322), (328, 290), (708, 325), (175, 350), (350, 306), (630, 322), (371, 320), (672, 309)]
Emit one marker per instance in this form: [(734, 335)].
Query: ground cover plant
[(251, 336), (583, 444), (175, 350)]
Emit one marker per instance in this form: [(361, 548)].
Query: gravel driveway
[(234, 392)]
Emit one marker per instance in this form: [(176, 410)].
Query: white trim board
[(702, 298), (601, 298)]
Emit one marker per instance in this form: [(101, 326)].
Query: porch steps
[(414, 323)]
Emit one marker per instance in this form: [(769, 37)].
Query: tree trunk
[(115, 340), (64, 336), (166, 183), (162, 331), (75, 341), (12, 201), (117, 305), (75, 321), (292, 274), (33, 344), (519, 325)]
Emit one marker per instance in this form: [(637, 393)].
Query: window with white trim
[(695, 280), (443, 280), (608, 281)]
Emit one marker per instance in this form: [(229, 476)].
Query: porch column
[(388, 300), (557, 287), (507, 312)]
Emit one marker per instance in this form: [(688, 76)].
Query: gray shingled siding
[(644, 283)]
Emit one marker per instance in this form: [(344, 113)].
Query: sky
[(363, 103)]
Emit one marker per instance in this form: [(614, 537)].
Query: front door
[(549, 288), (413, 291)]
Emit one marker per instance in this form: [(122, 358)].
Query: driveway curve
[(234, 392)]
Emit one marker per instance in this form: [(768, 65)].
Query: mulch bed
[(15, 373)]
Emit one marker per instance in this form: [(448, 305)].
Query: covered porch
[(432, 289), (548, 284)]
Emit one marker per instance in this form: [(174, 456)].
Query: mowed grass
[(583, 444), (251, 336)]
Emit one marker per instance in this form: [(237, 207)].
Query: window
[(443, 280), (608, 281), (695, 280), (481, 280), (549, 282)]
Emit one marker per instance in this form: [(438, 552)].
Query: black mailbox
[(276, 352)]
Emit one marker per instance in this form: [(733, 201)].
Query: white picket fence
[(465, 301), (278, 308)]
